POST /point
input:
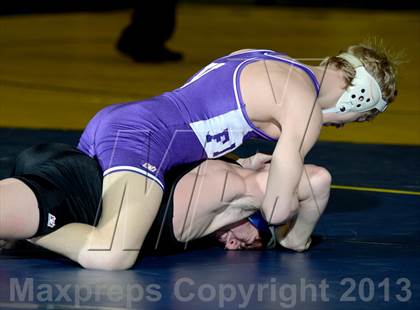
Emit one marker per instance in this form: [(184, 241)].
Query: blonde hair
[(378, 61)]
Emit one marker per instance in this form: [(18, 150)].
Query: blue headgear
[(266, 231)]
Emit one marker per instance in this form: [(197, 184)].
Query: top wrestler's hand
[(295, 246), (255, 162)]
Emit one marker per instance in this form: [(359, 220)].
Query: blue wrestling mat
[(364, 254)]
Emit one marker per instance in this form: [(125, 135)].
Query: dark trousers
[(152, 24)]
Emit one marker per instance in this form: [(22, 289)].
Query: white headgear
[(363, 95)]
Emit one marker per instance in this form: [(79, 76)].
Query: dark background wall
[(44, 6)]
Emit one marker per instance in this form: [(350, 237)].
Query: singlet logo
[(51, 220), (149, 167), (221, 137), (221, 134)]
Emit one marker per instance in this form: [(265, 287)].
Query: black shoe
[(146, 54), (155, 55)]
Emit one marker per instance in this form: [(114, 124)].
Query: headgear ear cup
[(269, 234), (364, 93), (261, 225)]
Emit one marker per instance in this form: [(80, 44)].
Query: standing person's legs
[(152, 24)]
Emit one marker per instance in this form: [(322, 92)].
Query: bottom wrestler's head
[(250, 233)]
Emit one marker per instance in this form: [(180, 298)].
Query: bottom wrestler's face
[(242, 236)]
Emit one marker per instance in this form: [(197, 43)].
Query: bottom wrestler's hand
[(255, 162)]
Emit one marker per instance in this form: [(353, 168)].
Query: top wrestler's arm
[(127, 215), (300, 124)]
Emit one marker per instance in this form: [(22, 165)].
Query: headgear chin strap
[(363, 95)]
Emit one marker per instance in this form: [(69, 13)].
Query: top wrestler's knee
[(107, 260)]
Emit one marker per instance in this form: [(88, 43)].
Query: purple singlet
[(205, 118)]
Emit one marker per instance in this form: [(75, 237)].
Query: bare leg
[(19, 213), (129, 207), (313, 199)]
